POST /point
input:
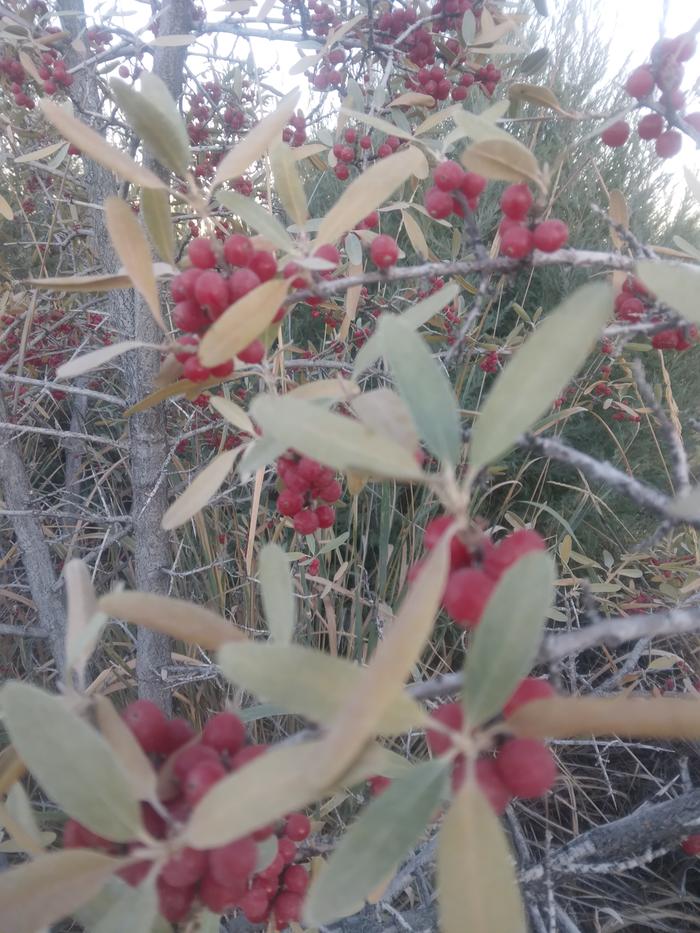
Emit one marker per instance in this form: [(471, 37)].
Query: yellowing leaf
[(384, 126), (94, 146), (477, 889), (233, 413), (155, 208), (277, 593), (38, 894), (676, 284), (288, 184), (536, 95), (504, 160), (306, 61), (202, 488), (412, 99), (37, 154), (90, 361), (368, 191), (257, 217), (619, 214), (132, 248), (243, 322), (478, 127), (81, 609), (386, 413), (5, 209), (257, 141), (182, 620), (415, 235)]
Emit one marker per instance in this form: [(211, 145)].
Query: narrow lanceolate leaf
[(478, 127), (284, 779), (138, 769), (80, 609), (93, 145), (40, 893), (693, 183), (258, 218), (309, 683), (257, 141), (233, 413), (533, 94), (5, 209), (71, 761), (506, 642), (154, 116), (477, 889), (19, 807), (140, 906), (90, 361), (539, 372), (155, 208), (202, 488), (333, 439), (359, 721), (132, 248), (386, 413), (676, 284), (288, 184), (368, 191), (425, 388), (503, 160), (534, 62), (243, 322), (375, 844), (277, 592), (183, 620)]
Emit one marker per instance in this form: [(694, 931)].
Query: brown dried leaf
[(503, 160), (93, 145), (202, 488), (534, 94), (132, 248), (243, 322), (619, 214), (182, 620)]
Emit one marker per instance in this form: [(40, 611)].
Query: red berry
[(616, 135), (450, 715), (286, 909), (201, 253), (347, 154), (516, 201), (448, 175), (235, 860), (669, 144), (550, 235), (309, 469), (350, 134), (691, 845), (289, 502), (473, 185), (365, 142), (252, 354), (342, 172), (640, 83), (297, 827), (378, 784), (466, 595), (516, 243), (325, 515), (329, 253), (193, 370), (224, 732), (148, 725), (255, 905), (532, 688), (221, 897), (526, 767), (286, 850), (184, 868), (246, 755), (201, 778), (241, 282), (238, 250), (384, 150), (135, 873), (384, 251), (491, 785), (459, 93), (190, 757), (264, 264), (189, 316), (438, 203), (211, 291), (650, 126), (498, 559), (296, 879), (331, 492), (174, 903), (435, 529), (305, 522), (182, 286)]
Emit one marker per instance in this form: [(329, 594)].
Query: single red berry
[(211, 291), (264, 264), (691, 845), (246, 755), (438, 203), (182, 286), (378, 784), (342, 172), (347, 154), (255, 905), (651, 126), (201, 253), (235, 860), (491, 785), (384, 150), (532, 688), (616, 135), (309, 469), (296, 879), (195, 371), (499, 558), (516, 201), (174, 903), (305, 522), (238, 250), (526, 767), (350, 134), (328, 252), (517, 243), (365, 142), (184, 868), (384, 251), (190, 317), (325, 515), (241, 282), (466, 595), (289, 502), (252, 354), (190, 757), (665, 340), (629, 308), (202, 778), (123, 71), (448, 175), (669, 144), (148, 725), (135, 873), (640, 83), (330, 492), (550, 235), (221, 897), (224, 732), (286, 850), (460, 555), (450, 715), (286, 909), (472, 185), (297, 827)]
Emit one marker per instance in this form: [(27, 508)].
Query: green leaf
[(477, 889), (71, 761), (308, 682), (277, 593), (674, 283), (334, 440), (534, 62), (140, 906), (262, 451), (258, 218), (155, 208), (507, 639), (424, 386), (288, 184), (468, 27), (153, 115), (540, 370), (375, 844)]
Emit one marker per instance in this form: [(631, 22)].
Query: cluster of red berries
[(518, 237), (12, 69), (220, 275), (418, 45), (52, 72), (520, 768), (635, 303), (98, 39), (452, 185), (295, 133), (350, 151), (328, 74), (323, 17), (663, 73), (489, 362), (307, 493), (222, 879)]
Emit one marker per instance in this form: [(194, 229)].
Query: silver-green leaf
[(676, 284), (277, 593)]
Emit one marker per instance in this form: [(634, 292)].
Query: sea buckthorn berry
[(516, 545), (460, 555), (616, 135), (252, 354), (438, 203), (342, 172), (651, 126), (224, 732), (526, 767), (691, 845), (286, 909), (201, 253), (182, 286), (350, 135), (195, 371), (212, 292), (222, 370), (221, 897), (532, 688), (472, 185), (384, 251), (550, 235), (241, 282), (378, 784), (450, 715), (491, 784), (640, 83), (325, 515), (296, 879), (297, 827), (668, 144), (289, 502), (238, 250), (330, 492), (516, 201), (466, 595), (365, 142), (384, 150), (201, 778), (174, 903), (448, 175), (328, 252), (305, 522), (180, 732), (184, 868), (287, 850), (189, 316), (148, 725), (235, 860), (190, 757), (255, 905), (517, 243), (264, 264)]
